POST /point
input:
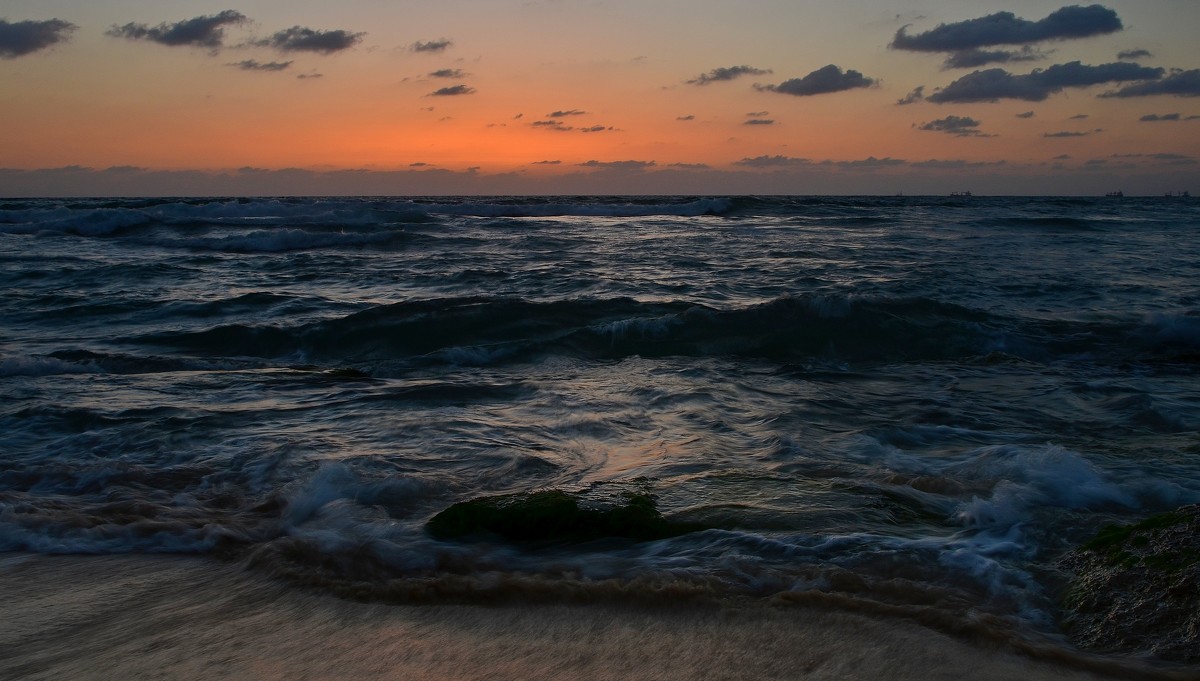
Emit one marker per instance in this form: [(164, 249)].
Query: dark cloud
[(1148, 118), (972, 59), (914, 96), (301, 39), (959, 126), (1133, 54), (1004, 28), (255, 65), (551, 125), (759, 121), (432, 46), (727, 73), (773, 162), (824, 80), (452, 91), (1078, 117), (618, 165), (564, 114), (203, 31), (1025, 114), (1178, 83), (448, 73), (597, 128), (994, 84), (546, 163), (1071, 133), (23, 37), (690, 166), (306, 76), (689, 117), (869, 162)]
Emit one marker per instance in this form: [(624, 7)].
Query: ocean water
[(915, 403)]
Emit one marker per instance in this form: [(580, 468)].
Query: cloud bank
[(20, 38), (202, 31), (822, 81)]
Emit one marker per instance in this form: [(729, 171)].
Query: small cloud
[(618, 165), (689, 117), (597, 128), (307, 76), (954, 164), (1178, 83), (822, 81), (452, 91), (518, 116), (971, 59), (1070, 133), (302, 39), (759, 121), (448, 73), (776, 161), (1078, 117), (439, 45), (20, 38), (1005, 28), (1149, 118), (871, 162), (418, 164), (255, 65), (690, 166), (546, 163), (995, 84), (551, 125), (914, 96), (202, 31), (727, 73), (959, 126), (564, 114), (1133, 54), (1025, 114), (758, 114)]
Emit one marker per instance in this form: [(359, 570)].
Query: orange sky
[(170, 89)]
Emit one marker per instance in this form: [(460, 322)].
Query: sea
[(905, 405)]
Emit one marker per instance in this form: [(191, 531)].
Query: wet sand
[(140, 617)]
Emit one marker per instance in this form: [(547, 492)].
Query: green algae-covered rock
[(1136, 588), (556, 516)]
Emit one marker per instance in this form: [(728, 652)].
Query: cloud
[(546, 163), (1133, 54), (970, 59), (824, 80), (727, 73), (564, 114), (758, 114), (302, 39), (618, 165), (1025, 114), (1071, 133), (1179, 84), (255, 65), (773, 162), (452, 91), (959, 126), (690, 166), (597, 128), (689, 117), (954, 164), (1149, 118), (439, 45), (759, 121), (994, 84), (306, 76), (1078, 117), (869, 162), (202, 31), (20, 38), (914, 96), (1004, 28), (448, 73), (551, 125)]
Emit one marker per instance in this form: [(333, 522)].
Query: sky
[(400, 97)]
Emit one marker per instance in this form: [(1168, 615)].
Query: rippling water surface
[(912, 401)]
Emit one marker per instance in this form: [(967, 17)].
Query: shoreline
[(144, 616)]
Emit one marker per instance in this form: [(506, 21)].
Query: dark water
[(911, 401)]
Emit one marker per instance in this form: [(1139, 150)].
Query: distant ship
[(960, 193), (1115, 194), (1182, 195)]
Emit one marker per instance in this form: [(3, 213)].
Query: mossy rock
[(556, 516)]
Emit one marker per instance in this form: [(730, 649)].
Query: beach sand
[(140, 617)]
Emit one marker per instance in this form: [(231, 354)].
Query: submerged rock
[(1137, 588), (557, 516)]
